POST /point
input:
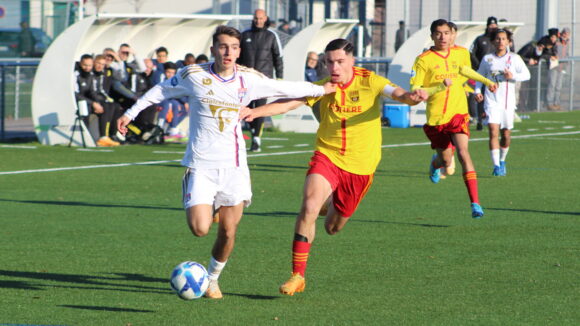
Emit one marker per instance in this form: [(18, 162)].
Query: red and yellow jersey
[(430, 69), (350, 122)]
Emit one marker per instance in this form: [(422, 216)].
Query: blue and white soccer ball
[(189, 280)]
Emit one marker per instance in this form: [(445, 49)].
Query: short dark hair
[(452, 25), (169, 65), (437, 23), (507, 32), (189, 55), (340, 44), (226, 30), (161, 49), (124, 44), (86, 56), (202, 57)]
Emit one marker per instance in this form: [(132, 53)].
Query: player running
[(447, 117), (506, 68), (217, 171), (348, 148)]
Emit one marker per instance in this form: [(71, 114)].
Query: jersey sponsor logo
[(248, 40), (174, 81), (206, 81), (345, 109), (223, 114), (353, 96), (437, 67), (449, 75)]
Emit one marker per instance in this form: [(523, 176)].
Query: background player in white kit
[(217, 170), (505, 68)]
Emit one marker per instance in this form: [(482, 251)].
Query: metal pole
[(571, 70), (81, 10), (17, 93), (571, 74), (407, 22), (359, 40), (538, 86), (2, 97)]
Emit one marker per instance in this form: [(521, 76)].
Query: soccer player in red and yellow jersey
[(447, 117), (348, 148)]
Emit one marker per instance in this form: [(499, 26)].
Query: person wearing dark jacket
[(86, 91), (481, 46), (261, 50)]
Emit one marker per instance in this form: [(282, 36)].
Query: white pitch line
[(88, 167), (18, 146), (275, 146), (93, 150), (168, 152), (568, 127), (274, 138), (301, 145), (261, 155)]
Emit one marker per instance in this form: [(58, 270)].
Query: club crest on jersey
[(353, 96), (206, 81), (489, 59), (174, 81)]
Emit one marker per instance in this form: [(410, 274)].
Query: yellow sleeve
[(378, 83), (472, 74), (310, 101), (431, 90), (417, 74)]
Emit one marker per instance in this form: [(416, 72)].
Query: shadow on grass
[(115, 309), (253, 296), (279, 214), (85, 204), (87, 282), (524, 210)]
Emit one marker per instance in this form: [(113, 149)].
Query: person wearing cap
[(561, 50), (481, 46)]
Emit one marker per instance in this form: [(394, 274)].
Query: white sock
[(495, 156), (257, 140), (161, 122), (215, 269), (503, 153), (173, 131)]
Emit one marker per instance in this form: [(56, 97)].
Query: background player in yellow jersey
[(447, 116), (348, 148)]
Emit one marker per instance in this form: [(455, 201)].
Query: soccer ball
[(189, 280)]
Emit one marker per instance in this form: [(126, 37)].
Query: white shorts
[(217, 187), (504, 118)]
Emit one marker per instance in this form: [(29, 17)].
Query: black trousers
[(257, 125)]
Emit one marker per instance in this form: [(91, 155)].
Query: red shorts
[(348, 189), (440, 136)]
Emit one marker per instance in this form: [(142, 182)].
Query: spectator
[(400, 35), (321, 70), (481, 46), (161, 55), (310, 70), (532, 52), (173, 110), (189, 59), (26, 41), (85, 94), (483, 43), (556, 72), (122, 68), (102, 82), (202, 58), (261, 50)]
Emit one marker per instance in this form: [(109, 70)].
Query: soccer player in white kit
[(217, 171), (505, 68)]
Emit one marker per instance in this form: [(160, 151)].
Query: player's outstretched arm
[(274, 108), (472, 74), (412, 98)]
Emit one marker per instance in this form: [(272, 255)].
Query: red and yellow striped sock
[(300, 250), (470, 179)]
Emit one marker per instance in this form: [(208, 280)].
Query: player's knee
[(198, 231), (311, 207)]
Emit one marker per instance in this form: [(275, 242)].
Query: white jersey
[(492, 67), (215, 132)]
